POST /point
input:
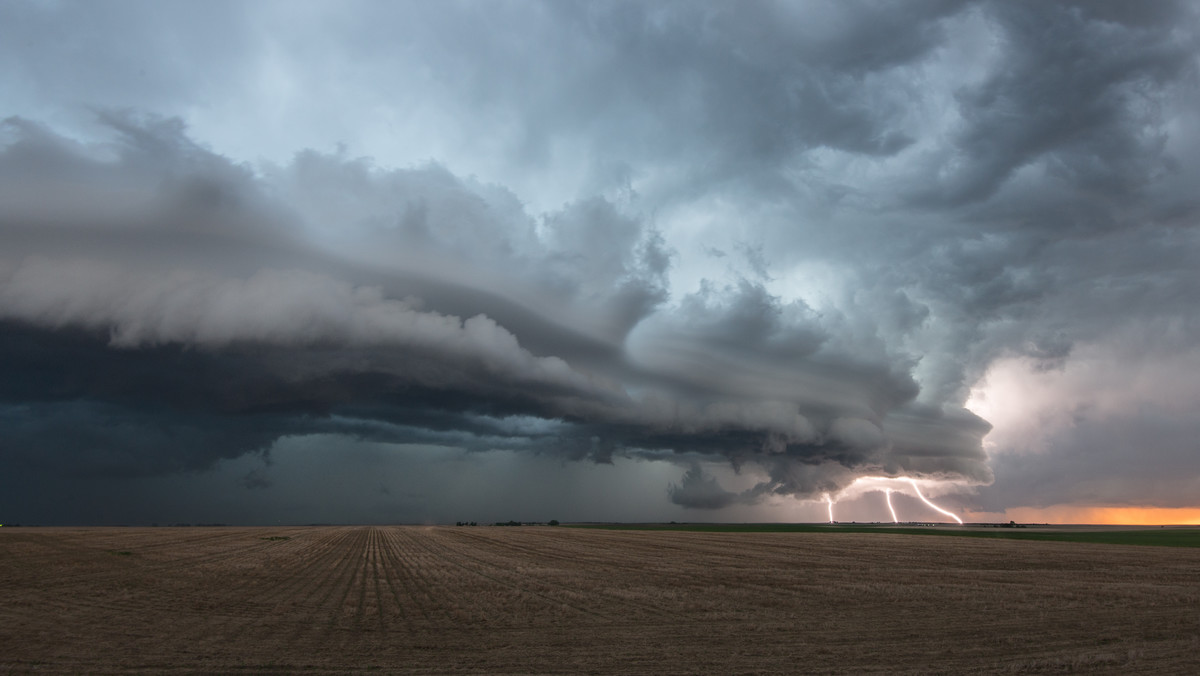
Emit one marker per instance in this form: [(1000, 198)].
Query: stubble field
[(558, 600)]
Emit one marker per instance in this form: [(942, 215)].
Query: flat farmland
[(559, 600)]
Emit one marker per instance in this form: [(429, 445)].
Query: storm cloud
[(793, 241)]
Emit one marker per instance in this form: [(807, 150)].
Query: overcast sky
[(293, 262)]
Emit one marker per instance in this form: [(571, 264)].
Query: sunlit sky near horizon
[(297, 262)]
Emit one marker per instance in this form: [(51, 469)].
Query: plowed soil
[(559, 600)]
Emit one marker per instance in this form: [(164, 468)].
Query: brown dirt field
[(560, 600)]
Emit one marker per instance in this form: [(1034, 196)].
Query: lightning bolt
[(888, 494), (830, 501), (926, 501)]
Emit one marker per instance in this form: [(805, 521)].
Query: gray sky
[(324, 262)]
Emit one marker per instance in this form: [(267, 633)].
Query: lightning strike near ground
[(830, 501), (888, 495), (926, 501)]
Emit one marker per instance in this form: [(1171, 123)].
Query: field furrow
[(400, 583), (556, 573), (520, 581), (426, 575)]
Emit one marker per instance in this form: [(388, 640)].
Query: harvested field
[(556, 600)]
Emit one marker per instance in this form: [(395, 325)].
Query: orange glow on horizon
[(1076, 514)]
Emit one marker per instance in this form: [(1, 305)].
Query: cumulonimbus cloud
[(333, 332), (789, 236)]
